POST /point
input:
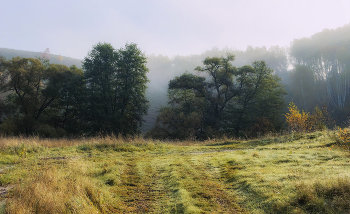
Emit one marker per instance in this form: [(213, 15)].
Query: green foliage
[(229, 101), (163, 69), (116, 84), (35, 92), (183, 119), (52, 100), (259, 101)]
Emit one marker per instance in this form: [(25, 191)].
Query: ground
[(304, 173)]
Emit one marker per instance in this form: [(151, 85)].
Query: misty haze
[(175, 106)]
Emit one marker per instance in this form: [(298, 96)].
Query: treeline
[(164, 68), (314, 72), (107, 96), (219, 92), (321, 75), (221, 100)]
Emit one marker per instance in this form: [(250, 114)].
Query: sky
[(168, 27)]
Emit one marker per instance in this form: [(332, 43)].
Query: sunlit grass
[(294, 173)]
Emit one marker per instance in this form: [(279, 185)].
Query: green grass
[(299, 173)]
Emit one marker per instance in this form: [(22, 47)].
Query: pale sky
[(168, 27)]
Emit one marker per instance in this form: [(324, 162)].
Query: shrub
[(304, 121)]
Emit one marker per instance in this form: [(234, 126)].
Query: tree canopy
[(107, 96), (220, 99), (116, 85), (34, 91)]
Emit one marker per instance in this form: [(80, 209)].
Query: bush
[(304, 121)]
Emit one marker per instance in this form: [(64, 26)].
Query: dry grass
[(9, 142), (325, 196), (299, 173), (56, 190)]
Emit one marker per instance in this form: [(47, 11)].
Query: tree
[(67, 113), (32, 89), (182, 119), (116, 84), (324, 59), (296, 121), (225, 99), (259, 101)]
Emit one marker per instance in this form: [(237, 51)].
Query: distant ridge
[(68, 61)]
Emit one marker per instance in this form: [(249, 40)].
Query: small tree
[(296, 121)]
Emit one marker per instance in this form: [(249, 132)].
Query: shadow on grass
[(244, 144), (226, 143), (252, 143)]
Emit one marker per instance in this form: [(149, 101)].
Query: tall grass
[(293, 173), (323, 196), (67, 190)]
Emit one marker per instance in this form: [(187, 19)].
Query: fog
[(174, 27), (176, 36)]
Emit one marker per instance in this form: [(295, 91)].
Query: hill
[(68, 61)]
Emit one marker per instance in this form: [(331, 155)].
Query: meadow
[(292, 173)]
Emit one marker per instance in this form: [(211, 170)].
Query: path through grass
[(307, 174)]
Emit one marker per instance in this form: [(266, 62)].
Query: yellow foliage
[(296, 121), (344, 135), (304, 121)]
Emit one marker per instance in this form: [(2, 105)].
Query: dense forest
[(221, 91)]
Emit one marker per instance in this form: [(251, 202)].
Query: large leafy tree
[(67, 112), (99, 71), (116, 84), (131, 88), (224, 99), (34, 89), (258, 105)]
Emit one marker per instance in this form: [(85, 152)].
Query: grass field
[(300, 173)]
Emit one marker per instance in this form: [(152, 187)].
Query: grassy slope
[(288, 174)]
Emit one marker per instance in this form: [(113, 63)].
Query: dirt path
[(137, 188), (4, 189), (172, 184), (6, 168), (195, 188), (3, 192), (162, 183)]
